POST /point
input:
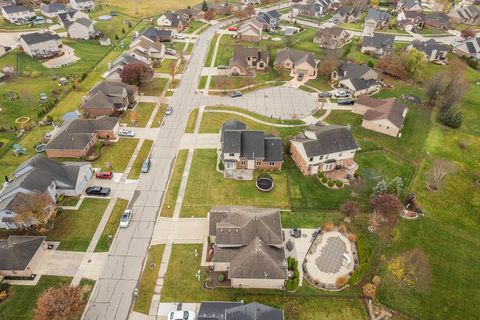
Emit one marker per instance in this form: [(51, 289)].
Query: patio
[(343, 174)]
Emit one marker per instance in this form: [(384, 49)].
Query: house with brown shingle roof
[(332, 37), (250, 30), (248, 245), (109, 98), (248, 61), (297, 61), (381, 115)]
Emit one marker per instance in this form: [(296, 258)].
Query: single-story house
[(186, 15), (158, 35), (409, 5), (468, 48), (115, 67), (52, 10), (297, 61), (358, 79), (248, 245), (379, 44), (467, 15), (381, 115), (223, 310), (269, 19), (41, 45), (20, 255), (247, 61), (439, 20), (250, 30), (18, 13), (433, 50), (323, 148), (347, 14), (147, 50), (249, 149), (331, 37), (375, 19), (80, 29), (83, 5), (170, 21), (109, 98)]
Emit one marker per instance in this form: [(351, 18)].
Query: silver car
[(126, 217)]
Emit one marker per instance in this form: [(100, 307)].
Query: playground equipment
[(18, 149)]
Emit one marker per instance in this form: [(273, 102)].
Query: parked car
[(324, 94), (232, 28), (169, 111), (170, 51), (97, 191), (97, 34), (334, 20), (180, 36), (235, 94), (126, 217), (300, 77), (345, 102), (296, 233), (146, 166), (182, 315), (104, 175), (341, 94), (222, 67), (126, 133), (289, 245)]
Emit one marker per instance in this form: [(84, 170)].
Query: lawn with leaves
[(103, 244), (110, 154), (174, 184), (141, 157), (141, 114)]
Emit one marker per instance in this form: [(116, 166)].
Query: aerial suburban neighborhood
[(239, 159)]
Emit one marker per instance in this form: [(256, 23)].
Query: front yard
[(141, 157), (139, 116), (174, 184), (103, 244), (110, 154), (75, 228), (155, 87)]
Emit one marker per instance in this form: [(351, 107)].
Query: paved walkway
[(212, 63), (152, 99), (200, 141)]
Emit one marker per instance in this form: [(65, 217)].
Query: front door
[(314, 169), (251, 164)]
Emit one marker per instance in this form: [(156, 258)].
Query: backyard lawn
[(103, 244), (148, 280), (75, 228), (180, 285), (140, 115), (194, 26), (206, 188), (174, 184), (110, 154), (141, 157)]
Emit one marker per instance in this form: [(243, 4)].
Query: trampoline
[(105, 18), (264, 183)]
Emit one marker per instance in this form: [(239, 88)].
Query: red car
[(104, 175), (232, 28)]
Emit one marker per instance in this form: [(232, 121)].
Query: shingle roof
[(296, 57), (53, 7), (38, 37), (377, 15), (173, 17), (157, 34), (240, 54), (328, 139), (232, 125), (215, 310), (16, 8), (254, 311), (391, 109), (349, 70), (379, 41), (16, 252), (429, 46)]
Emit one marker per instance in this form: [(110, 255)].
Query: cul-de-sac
[(239, 159)]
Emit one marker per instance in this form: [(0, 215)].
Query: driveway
[(200, 141), (10, 39), (60, 263), (188, 230)]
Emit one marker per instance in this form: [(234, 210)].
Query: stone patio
[(342, 173)]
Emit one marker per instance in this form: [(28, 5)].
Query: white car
[(126, 133), (170, 51), (126, 217), (341, 94), (180, 36), (182, 315)]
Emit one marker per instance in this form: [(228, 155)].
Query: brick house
[(297, 61), (323, 148), (248, 61)]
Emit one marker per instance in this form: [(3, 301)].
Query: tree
[(61, 303), (369, 290), (395, 186), (380, 188), (392, 66), (349, 209), (452, 118), (36, 205), (329, 64), (133, 117), (438, 171), (136, 73), (413, 61), (386, 204), (172, 67), (468, 33), (209, 15), (374, 3), (249, 10), (204, 6), (239, 14), (433, 87)]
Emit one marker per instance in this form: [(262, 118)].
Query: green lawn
[(111, 27), (206, 188), (141, 157), (157, 120), (211, 49), (147, 8), (181, 285), (174, 184), (124, 146), (149, 279), (202, 82), (111, 227), (143, 111), (75, 228), (194, 26), (22, 302), (192, 120), (256, 115), (320, 83), (155, 87)]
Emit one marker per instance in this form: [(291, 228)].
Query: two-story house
[(357, 79), (170, 21), (70, 16), (379, 44), (83, 5), (269, 19), (313, 8), (347, 14), (409, 5), (52, 10), (248, 61), (375, 19), (80, 29), (412, 20), (466, 14), (468, 48), (331, 37), (147, 50), (298, 62), (250, 30), (432, 50), (18, 14), (41, 45), (109, 98)]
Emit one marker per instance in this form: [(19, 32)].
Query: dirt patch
[(411, 269)]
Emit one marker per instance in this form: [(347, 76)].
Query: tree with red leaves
[(61, 303), (392, 67), (209, 15), (387, 204), (468, 33), (349, 209), (136, 73)]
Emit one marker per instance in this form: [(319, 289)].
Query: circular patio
[(330, 257)]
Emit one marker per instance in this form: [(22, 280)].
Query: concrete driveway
[(60, 263), (200, 141), (188, 230)]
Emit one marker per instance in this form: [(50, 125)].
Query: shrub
[(339, 183), (452, 118), (342, 228), (324, 180), (370, 64), (356, 174), (341, 281), (328, 226), (364, 257), (221, 277), (352, 237), (321, 174), (376, 280), (221, 166), (330, 183)]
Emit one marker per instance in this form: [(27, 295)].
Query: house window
[(243, 162), (260, 65), (321, 157), (259, 162), (271, 163), (388, 127), (231, 154), (340, 154), (311, 159)]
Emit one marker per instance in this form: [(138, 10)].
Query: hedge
[(364, 260)]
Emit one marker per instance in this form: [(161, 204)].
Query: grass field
[(192, 120), (143, 111), (149, 279), (155, 87), (124, 146), (174, 184), (181, 285), (75, 228), (111, 227), (141, 157), (148, 8), (206, 188)]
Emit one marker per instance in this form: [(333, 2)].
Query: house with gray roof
[(297, 62), (409, 5), (41, 45), (41, 174), (77, 138), (158, 35), (323, 148), (20, 256), (270, 19), (439, 20), (412, 20), (250, 30), (348, 14), (222, 310), (313, 8), (331, 37), (70, 16), (81, 28), (248, 246), (432, 50), (468, 48), (18, 14), (247, 61), (243, 149), (170, 21), (375, 19), (378, 44), (357, 79), (115, 67), (109, 98), (466, 14), (83, 5), (52, 10)]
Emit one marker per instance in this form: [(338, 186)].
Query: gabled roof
[(267, 17), (437, 18), (333, 31), (17, 8), (296, 57), (254, 311), (348, 10), (240, 54), (173, 17), (408, 4), (39, 37), (379, 41), (390, 109), (429, 46), (53, 7), (251, 22), (377, 15), (16, 252), (349, 70), (215, 310), (157, 34)]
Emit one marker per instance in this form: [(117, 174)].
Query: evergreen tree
[(452, 118), (395, 186), (204, 6), (380, 188)]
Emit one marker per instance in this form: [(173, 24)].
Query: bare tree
[(249, 10), (349, 209), (439, 170), (172, 68), (36, 205), (209, 15), (329, 64), (433, 88), (387, 204)]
